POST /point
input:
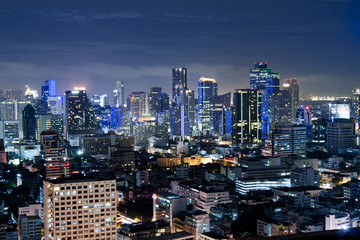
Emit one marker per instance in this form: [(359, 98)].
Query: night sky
[(95, 43)]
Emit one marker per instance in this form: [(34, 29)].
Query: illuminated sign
[(339, 110)]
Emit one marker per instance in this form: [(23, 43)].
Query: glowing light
[(79, 88)]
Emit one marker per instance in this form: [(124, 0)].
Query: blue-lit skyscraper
[(208, 89), (262, 77), (48, 89), (179, 81)]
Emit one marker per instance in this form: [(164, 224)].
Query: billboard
[(339, 111)]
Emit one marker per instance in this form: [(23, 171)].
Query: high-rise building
[(166, 206), (29, 123), (293, 87), (119, 97), (286, 139), (50, 122), (29, 227), (78, 112), (56, 104), (262, 77), (158, 101), (340, 135), (48, 89), (208, 89), (80, 209), (57, 164), (220, 104), (319, 132), (246, 117), (139, 104), (179, 82), (356, 106), (281, 106), (182, 114), (10, 132)]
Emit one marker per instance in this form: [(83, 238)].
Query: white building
[(209, 199), (337, 221), (33, 210)]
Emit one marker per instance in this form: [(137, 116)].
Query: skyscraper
[(119, 94), (78, 112), (293, 88), (139, 104), (182, 109), (179, 81), (340, 135), (246, 117), (158, 101), (48, 89), (208, 88), (356, 106), (262, 77), (29, 123)]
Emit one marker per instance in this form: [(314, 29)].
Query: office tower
[(262, 77), (220, 104), (121, 158), (99, 100), (29, 227), (303, 116), (253, 178), (143, 132), (293, 87), (302, 177), (29, 123), (208, 88), (80, 209), (57, 164), (78, 112), (56, 104), (319, 132), (182, 114), (10, 132), (246, 117), (30, 95), (179, 82), (158, 101), (286, 139), (139, 104), (41, 106), (281, 106), (48, 89), (50, 122), (356, 107), (340, 135), (166, 206), (119, 94)]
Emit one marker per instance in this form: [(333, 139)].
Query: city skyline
[(139, 43)]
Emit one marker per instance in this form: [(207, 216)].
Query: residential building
[(81, 209)]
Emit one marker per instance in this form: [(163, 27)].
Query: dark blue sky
[(96, 43)]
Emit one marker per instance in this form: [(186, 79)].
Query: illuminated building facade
[(286, 139), (158, 101), (262, 178), (356, 106), (262, 77), (208, 89), (119, 94), (340, 135), (139, 104), (166, 206), (29, 123), (78, 112), (80, 209), (48, 89), (246, 117)]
